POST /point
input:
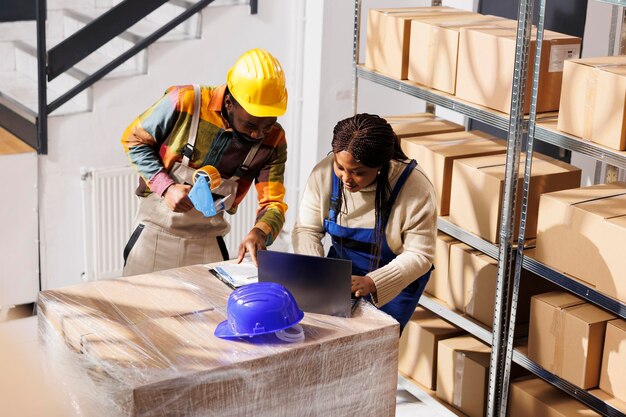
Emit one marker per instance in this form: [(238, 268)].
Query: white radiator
[(109, 207)]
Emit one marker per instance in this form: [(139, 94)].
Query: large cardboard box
[(532, 396), (487, 60), (419, 124), (593, 100), (582, 232), (418, 346), (463, 374), (389, 37), (434, 46), (612, 377), (438, 283), (477, 187), (472, 286), (145, 345), (566, 336), (436, 153)]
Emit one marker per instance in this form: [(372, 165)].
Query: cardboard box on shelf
[(582, 232), (438, 283), (609, 399), (472, 286), (487, 60), (477, 187), (419, 124), (566, 336), (463, 373), (593, 100), (389, 36), (436, 153), (434, 46), (612, 377), (156, 345), (532, 396), (418, 346)]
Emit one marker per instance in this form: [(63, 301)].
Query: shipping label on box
[(436, 153), (477, 186), (593, 100), (566, 337), (582, 232), (418, 346)]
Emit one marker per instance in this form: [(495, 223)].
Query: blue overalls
[(356, 244)]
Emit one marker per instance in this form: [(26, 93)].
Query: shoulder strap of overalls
[(193, 129), (245, 165), (396, 190), (334, 208)]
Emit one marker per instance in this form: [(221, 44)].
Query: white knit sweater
[(410, 232)]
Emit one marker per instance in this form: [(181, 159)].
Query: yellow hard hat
[(257, 82)]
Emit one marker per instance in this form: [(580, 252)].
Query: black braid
[(371, 141)]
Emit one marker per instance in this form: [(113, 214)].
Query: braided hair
[(372, 142)]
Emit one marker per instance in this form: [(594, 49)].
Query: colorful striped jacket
[(154, 141)]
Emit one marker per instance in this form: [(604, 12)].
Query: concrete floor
[(25, 391)]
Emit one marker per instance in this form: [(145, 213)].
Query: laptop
[(319, 285)]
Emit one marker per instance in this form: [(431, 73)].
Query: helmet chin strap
[(291, 335)]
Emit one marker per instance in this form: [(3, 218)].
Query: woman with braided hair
[(378, 208)]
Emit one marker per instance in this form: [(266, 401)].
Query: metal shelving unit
[(515, 124), (546, 131)]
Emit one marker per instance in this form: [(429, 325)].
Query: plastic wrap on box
[(144, 346)]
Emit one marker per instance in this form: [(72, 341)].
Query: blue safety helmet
[(259, 308)]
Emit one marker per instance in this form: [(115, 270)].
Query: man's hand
[(253, 241), (177, 198), (362, 286)]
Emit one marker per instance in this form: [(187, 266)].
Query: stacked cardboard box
[(566, 336), (612, 377), (438, 283), (486, 65), (434, 48), (419, 343), (436, 154), (144, 345), (531, 396), (582, 232), (420, 124), (477, 187), (389, 36), (463, 373), (593, 100)]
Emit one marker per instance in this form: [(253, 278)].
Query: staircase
[(85, 130)]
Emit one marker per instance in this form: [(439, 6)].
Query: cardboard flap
[(559, 299), (602, 62), (590, 314), (620, 324), (584, 194), (607, 208)]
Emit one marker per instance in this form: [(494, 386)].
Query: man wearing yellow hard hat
[(230, 130)]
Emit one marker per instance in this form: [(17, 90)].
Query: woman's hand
[(254, 241), (362, 286)]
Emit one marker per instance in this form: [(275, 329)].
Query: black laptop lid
[(319, 285)]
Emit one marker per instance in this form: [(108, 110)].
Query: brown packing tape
[(556, 330), (457, 386), (591, 84)]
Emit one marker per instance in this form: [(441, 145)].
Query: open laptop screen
[(319, 285)]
